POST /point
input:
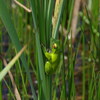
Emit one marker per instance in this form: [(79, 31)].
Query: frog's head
[(55, 45)]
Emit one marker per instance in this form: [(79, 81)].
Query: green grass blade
[(54, 35), (69, 22), (32, 3), (5, 16), (49, 21), (40, 64), (10, 91), (1, 82)]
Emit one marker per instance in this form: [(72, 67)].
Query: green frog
[(52, 56)]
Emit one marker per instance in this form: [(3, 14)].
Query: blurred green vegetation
[(77, 75)]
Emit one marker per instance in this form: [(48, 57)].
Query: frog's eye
[(54, 46)]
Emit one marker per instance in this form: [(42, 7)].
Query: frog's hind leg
[(48, 67)]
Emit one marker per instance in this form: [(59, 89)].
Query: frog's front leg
[(47, 54)]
